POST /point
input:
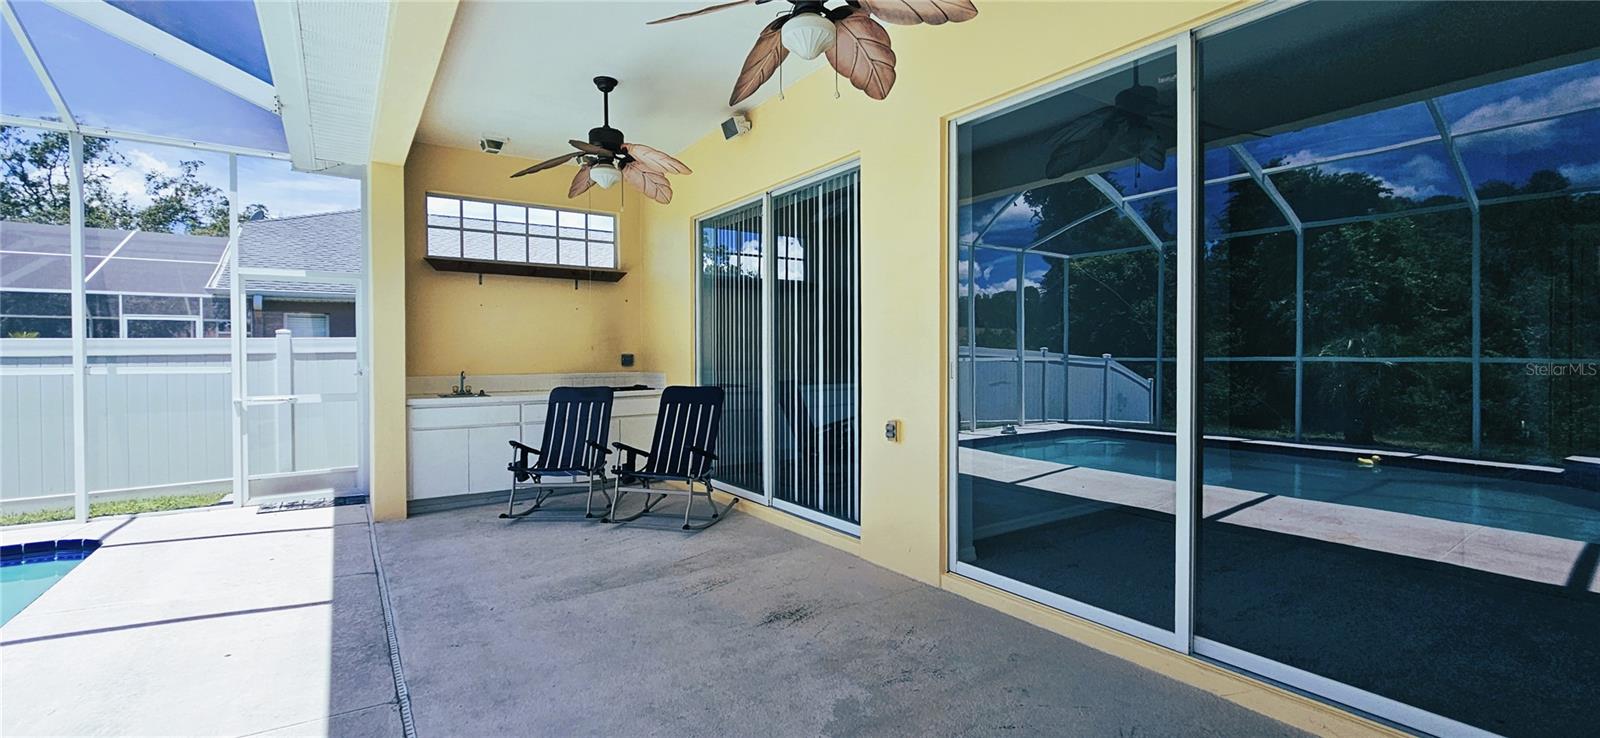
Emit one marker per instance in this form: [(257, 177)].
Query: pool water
[(1530, 506), (25, 576)]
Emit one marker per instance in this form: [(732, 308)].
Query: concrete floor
[(559, 626), (233, 622)]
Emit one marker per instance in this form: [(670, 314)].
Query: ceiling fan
[(857, 46), (1128, 127), (607, 157)]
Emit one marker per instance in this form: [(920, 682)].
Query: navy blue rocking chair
[(680, 458), (577, 424)]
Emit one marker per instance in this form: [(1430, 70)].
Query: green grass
[(117, 507)]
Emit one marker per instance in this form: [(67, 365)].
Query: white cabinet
[(438, 462), (487, 455), (458, 449)]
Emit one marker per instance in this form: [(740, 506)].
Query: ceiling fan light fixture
[(808, 35), (605, 174)]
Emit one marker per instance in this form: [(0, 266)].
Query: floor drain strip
[(401, 693)]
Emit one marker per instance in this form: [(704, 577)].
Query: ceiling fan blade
[(702, 11), (655, 159), (763, 60), (547, 164), (912, 12), (653, 184), (581, 182), (589, 148), (861, 53)]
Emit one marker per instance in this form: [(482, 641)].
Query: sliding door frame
[(1177, 639), (1189, 429), (769, 272)]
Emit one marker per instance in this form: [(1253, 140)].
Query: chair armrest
[(602, 449), (526, 449), (630, 450), (702, 452)]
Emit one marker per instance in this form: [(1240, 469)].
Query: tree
[(35, 186)]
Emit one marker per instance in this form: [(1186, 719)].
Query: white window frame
[(461, 229)]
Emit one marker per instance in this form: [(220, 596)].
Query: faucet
[(461, 389)]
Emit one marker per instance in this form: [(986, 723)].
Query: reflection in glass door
[(1065, 233)]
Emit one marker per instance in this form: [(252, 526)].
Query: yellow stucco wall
[(385, 203), (514, 325), (943, 71)]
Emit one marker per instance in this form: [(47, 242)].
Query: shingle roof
[(324, 242)]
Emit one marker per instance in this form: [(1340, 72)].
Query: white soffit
[(326, 60), (523, 70)]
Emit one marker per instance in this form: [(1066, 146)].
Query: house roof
[(36, 256), (324, 242)]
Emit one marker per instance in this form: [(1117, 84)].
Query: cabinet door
[(487, 456), (438, 463)]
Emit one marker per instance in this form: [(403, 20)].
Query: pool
[(27, 570), (1528, 501)]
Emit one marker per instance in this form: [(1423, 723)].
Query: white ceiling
[(524, 70)]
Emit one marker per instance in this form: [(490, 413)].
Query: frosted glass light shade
[(604, 175), (808, 35)]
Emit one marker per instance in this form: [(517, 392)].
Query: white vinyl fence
[(1092, 389), (159, 414)]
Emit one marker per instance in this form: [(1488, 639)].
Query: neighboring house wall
[(341, 315)]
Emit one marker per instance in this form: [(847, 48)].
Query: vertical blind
[(730, 338), (815, 237), (807, 258)]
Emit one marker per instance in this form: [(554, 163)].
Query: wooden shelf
[(523, 269)]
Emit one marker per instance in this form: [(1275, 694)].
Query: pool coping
[(12, 554), (1580, 472)]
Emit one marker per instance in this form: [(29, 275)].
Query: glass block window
[(500, 231)]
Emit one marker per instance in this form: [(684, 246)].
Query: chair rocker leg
[(649, 505), (588, 504), (540, 495), (716, 514)]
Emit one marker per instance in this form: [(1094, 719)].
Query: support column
[(386, 280), (80, 328)]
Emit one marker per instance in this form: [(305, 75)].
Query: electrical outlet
[(891, 431), (627, 359)]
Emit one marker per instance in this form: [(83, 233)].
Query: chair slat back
[(574, 417), (689, 417)]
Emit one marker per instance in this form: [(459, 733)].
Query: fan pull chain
[(836, 84), (780, 81)]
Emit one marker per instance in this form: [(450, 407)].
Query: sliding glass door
[(1282, 348), (779, 331), (1066, 464), (730, 340)]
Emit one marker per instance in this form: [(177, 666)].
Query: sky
[(1489, 123)]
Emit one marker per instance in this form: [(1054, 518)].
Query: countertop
[(504, 398)]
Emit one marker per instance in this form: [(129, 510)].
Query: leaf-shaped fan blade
[(589, 148), (1089, 144), (764, 58), (581, 182), (702, 11), (1082, 125), (861, 53), (912, 12), (655, 159), (547, 163), (654, 185)]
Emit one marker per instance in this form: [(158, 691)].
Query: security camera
[(491, 144), (738, 125)]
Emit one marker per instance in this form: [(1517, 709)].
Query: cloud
[(1567, 97), (1031, 279), (1582, 174)]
